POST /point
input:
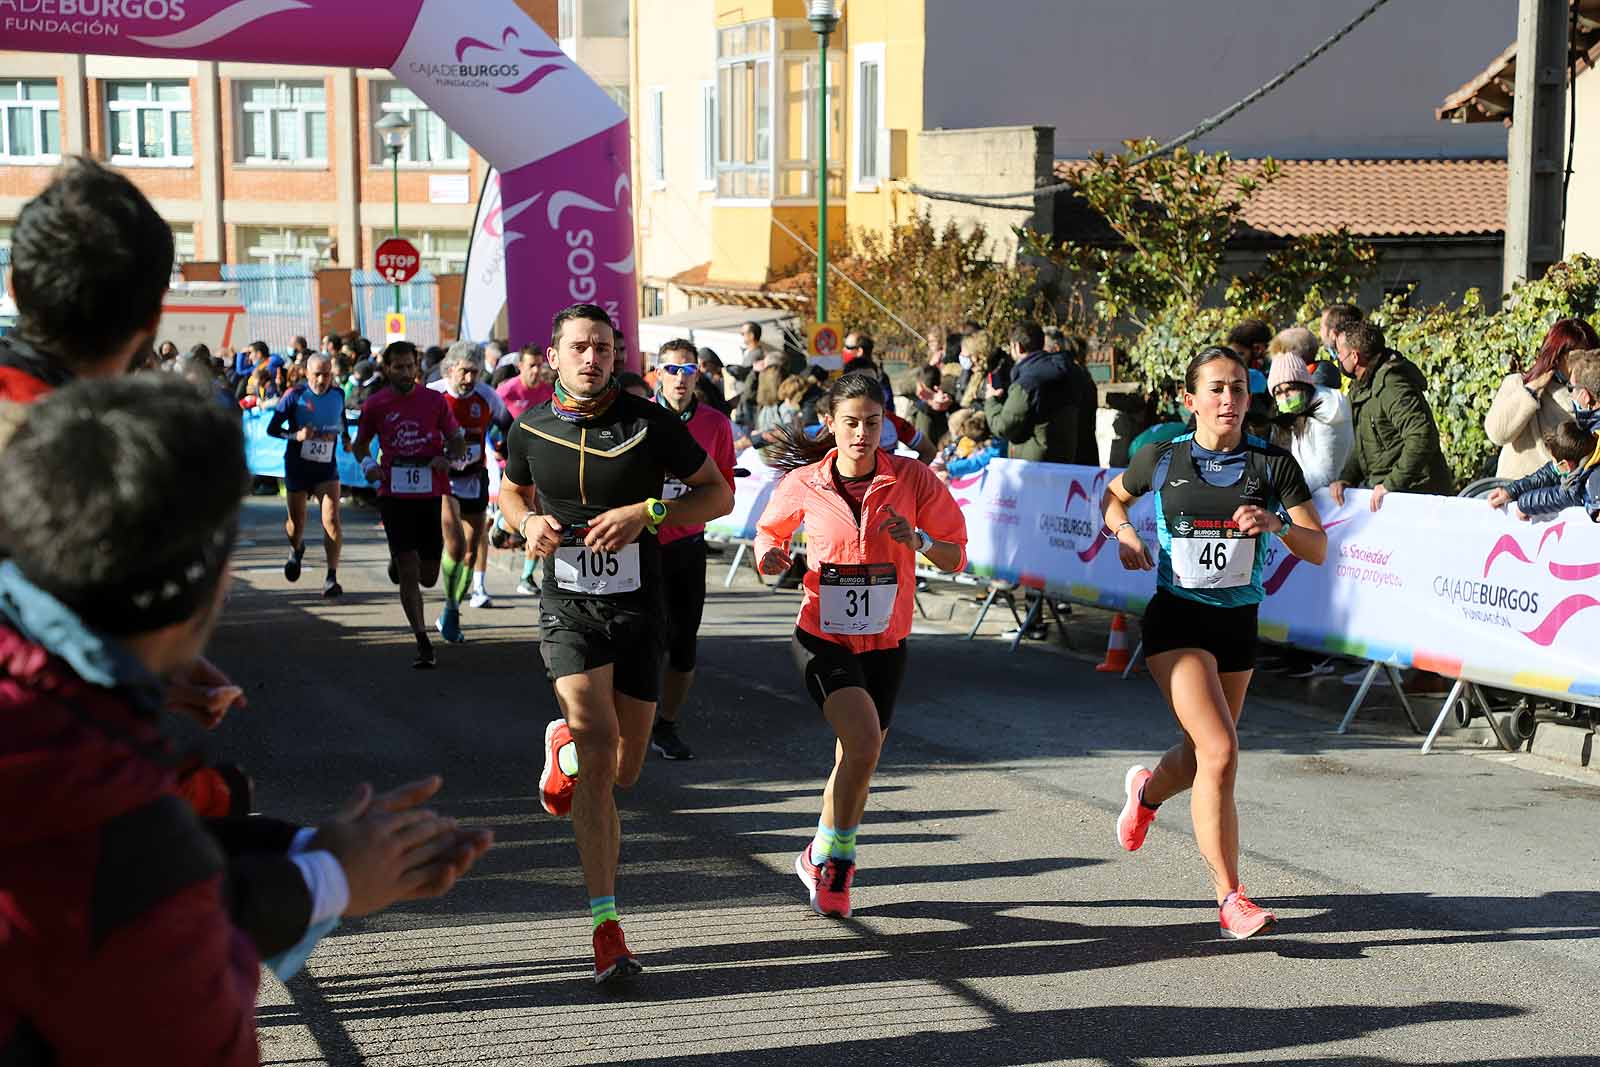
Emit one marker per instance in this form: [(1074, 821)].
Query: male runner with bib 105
[(599, 457)]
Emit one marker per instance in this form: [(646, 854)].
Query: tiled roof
[(1376, 198), (1490, 95)]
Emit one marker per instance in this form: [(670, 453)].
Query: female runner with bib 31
[(1219, 494), (867, 514)]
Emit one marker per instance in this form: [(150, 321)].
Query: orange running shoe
[(1242, 917), (833, 889), (1136, 817), (555, 785), (612, 960)]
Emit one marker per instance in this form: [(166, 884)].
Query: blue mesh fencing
[(374, 298), (280, 299)]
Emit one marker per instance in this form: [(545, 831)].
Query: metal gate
[(373, 298), (280, 299)]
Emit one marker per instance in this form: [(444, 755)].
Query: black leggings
[(829, 667)]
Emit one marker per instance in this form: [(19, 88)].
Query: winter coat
[(1039, 413), (1517, 422), (1396, 440), (1321, 440)]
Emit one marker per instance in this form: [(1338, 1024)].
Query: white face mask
[(966, 361)]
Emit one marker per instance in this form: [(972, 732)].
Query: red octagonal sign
[(398, 260)]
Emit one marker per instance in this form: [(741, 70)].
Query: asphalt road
[(1436, 909)]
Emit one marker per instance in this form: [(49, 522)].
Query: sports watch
[(924, 542), (655, 513)]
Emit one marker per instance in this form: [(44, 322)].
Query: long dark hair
[(1565, 337), (1209, 354), (789, 448)]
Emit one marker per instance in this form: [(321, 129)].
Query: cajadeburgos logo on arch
[(505, 67), (86, 18)]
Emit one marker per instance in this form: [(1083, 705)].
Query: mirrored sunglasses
[(681, 368)]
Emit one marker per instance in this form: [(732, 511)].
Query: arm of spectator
[(1011, 417), (1513, 408), (1408, 413), (1549, 500), (960, 468)]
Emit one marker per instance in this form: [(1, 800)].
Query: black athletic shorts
[(472, 505), (683, 585), (1172, 622), (829, 667), (411, 524), (579, 635), (300, 476)]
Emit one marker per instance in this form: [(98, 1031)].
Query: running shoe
[(665, 742), (1241, 917), (527, 588), (555, 785), (612, 960), (424, 660), (833, 888), (331, 588), (291, 567), (1136, 817), (449, 626), (394, 573), (1316, 670), (1379, 680), (480, 599)]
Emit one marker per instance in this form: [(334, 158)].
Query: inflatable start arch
[(559, 143)]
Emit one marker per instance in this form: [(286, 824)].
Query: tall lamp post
[(395, 128), (824, 18)]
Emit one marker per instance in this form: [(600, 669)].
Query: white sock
[(479, 580)]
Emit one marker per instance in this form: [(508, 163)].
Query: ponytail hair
[(789, 448)]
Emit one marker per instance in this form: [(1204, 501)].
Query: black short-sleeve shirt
[(582, 469)]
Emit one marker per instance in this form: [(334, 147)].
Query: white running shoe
[(480, 599), (527, 588)]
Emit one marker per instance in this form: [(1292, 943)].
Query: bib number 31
[(857, 599)]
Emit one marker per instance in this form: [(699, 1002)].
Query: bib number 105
[(592, 572)]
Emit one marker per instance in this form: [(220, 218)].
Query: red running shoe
[(810, 874), (612, 960), (1242, 917), (555, 785), (1135, 820), (833, 889)]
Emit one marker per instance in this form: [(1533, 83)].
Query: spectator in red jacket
[(116, 942)]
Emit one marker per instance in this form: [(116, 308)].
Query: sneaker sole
[(807, 881), (626, 967), (1128, 806), (549, 767), (1264, 928), (333, 592), (664, 754)]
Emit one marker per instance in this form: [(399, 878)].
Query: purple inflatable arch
[(558, 141)]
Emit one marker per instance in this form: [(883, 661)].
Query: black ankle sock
[(1145, 803)]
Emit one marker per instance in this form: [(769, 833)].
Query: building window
[(442, 251), (183, 244), (151, 123), (282, 122), (708, 135), (282, 245), (653, 303), (868, 116), (658, 136), (30, 121), (567, 19), (755, 113), (618, 95), (431, 143)]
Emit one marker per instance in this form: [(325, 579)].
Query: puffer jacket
[(1039, 413), (807, 495), (1396, 440)]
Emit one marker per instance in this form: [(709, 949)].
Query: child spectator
[(1567, 481)]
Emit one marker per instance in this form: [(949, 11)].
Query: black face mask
[(1587, 418)]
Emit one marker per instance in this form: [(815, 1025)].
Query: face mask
[(1586, 419), (1561, 379), (1293, 403), (966, 361)]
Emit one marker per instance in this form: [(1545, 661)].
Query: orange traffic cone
[(1117, 653)]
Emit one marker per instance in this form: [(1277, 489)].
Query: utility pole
[(1536, 147)]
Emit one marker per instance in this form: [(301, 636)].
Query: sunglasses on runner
[(681, 368)]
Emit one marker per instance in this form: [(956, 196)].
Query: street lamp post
[(395, 128), (824, 18)]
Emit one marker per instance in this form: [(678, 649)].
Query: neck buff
[(686, 414), (578, 408)]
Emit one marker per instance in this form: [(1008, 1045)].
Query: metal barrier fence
[(373, 298), (280, 299)]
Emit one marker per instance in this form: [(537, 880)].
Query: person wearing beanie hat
[(1313, 421)]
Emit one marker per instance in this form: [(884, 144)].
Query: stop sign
[(398, 260)]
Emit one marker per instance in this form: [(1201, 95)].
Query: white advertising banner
[(1441, 583)]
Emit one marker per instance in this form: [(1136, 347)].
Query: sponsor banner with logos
[(483, 284), (1440, 583)]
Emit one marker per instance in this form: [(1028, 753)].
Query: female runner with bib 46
[(1220, 493), (868, 515)]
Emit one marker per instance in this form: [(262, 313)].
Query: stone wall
[(994, 159)]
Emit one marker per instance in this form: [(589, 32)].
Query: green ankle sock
[(603, 909)]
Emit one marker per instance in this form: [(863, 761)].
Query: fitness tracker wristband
[(655, 513), (924, 542), (1111, 535)]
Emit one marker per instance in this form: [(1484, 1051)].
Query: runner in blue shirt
[(1220, 494), (310, 418)]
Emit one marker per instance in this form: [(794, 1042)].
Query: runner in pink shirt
[(418, 437), (683, 548), (528, 389)]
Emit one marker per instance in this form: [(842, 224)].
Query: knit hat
[(1288, 367)]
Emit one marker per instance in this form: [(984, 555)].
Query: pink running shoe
[(555, 785), (1135, 820), (810, 874), (833, 889), (1242, 917), (612, 959)]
